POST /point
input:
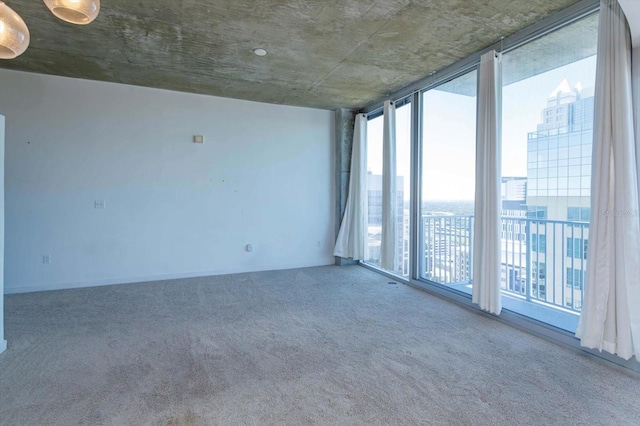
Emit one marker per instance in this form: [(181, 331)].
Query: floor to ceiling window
[(448, 181), (403, 183), (546, 168), (547, 125), (403, 188), (374, 189)]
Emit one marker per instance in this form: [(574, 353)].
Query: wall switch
[(46, 259), (99, 204), (198, 139)]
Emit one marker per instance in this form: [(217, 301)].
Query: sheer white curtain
[(610, 318), (635, 82), (389, 213), (486, 232), (352, 237)]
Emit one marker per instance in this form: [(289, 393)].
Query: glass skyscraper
[(558, 194), (559, 156)]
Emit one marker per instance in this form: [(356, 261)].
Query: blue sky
[(449, 131)]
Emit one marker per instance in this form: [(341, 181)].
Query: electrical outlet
[(46, 259), (99, 204)]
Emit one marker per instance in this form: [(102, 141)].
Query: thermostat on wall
[(198, 139)]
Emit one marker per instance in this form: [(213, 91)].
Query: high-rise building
[(558, 193), (513, 236), (559, 155), (513, 193), (514, 205)]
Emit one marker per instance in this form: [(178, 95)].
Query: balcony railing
[(541, 260)]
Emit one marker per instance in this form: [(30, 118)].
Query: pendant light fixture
[(14, 34), (79, 12)]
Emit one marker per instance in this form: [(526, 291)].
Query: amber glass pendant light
[(14, 34), (79, 12)]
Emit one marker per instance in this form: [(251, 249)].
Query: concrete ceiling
[(322, 53)]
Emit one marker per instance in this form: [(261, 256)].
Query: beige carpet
[(329, 345)]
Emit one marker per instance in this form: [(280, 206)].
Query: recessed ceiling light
[(260, 52)]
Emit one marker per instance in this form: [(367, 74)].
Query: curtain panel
[(610, 318), (486, 238), (352, 237)]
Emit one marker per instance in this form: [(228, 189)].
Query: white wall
[(631, 10), (264, 176)]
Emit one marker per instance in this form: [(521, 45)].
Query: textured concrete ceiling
[(322, 53)]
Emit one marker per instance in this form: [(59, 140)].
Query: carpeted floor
[(328, 345)]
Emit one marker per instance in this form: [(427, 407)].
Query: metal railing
[(541, 260)]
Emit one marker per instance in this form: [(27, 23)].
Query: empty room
[(298, 212)]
